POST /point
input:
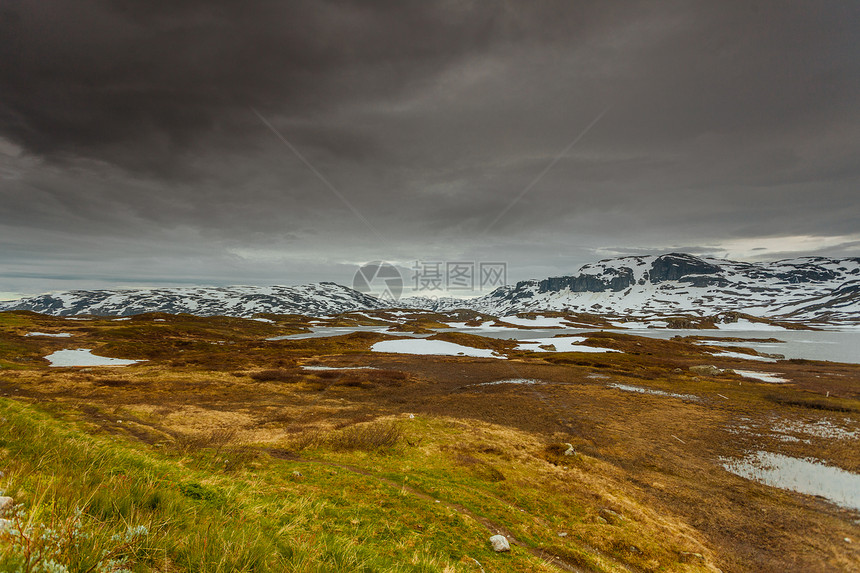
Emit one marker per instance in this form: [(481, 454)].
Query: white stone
[(500, 543)]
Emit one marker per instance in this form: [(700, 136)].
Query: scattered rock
[(600, 520), (500, 543), (690, 557), (562, 533), (297, 474), (569, 451), (706, 370), (6, 503), (677, 370), (635, 550), (847, 540), (610, 516)]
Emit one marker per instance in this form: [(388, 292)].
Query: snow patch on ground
[(526, 381), (328, 368), (743, 356), (561, 344), (432, 348), (84, 357), (770, 377), (640, 390), (821, 429), (744, 324), (538, 322), (636, 325), (51, 334)]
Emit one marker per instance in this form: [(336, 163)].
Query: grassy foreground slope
[(363, 501)]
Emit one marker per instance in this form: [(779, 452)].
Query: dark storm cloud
[(141, 83), (128, 128)]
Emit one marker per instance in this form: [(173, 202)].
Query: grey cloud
[(127, 129)]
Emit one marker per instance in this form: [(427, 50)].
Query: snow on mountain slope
[(804, 289), (315, 299), (809, 288)]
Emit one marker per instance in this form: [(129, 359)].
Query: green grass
[(197, 517)]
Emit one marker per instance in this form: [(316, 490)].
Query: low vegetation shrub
[(366, 437), (48, 539), (812, 403), (214, 439), (288, 376), (197, 491), (479, 468)]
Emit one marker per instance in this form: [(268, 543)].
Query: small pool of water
[(801, 475), (836, 345)]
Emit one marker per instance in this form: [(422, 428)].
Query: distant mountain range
[(323, 299), (815, 289), (803, 289)]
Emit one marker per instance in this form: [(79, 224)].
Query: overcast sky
[(198, 142)]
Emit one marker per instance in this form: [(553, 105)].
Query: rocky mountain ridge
[(322, 299), (816, 289), (805, 289)]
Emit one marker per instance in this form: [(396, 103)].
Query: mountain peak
[(809, 288)]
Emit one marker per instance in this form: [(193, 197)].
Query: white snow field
[(84, 357), (537, 322), (769, 377), (743, 356), (431, 348), (51, 334), (561, 344), (640, 390)]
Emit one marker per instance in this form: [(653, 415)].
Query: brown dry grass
[(660, 455)]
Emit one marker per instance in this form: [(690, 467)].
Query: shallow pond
[(834, 345), (801, 475)]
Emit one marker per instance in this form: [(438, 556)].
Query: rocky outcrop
[(675, 266), (615, 280)]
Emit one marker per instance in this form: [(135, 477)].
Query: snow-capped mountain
[(804, 289), (809, 288), (321, 299)]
